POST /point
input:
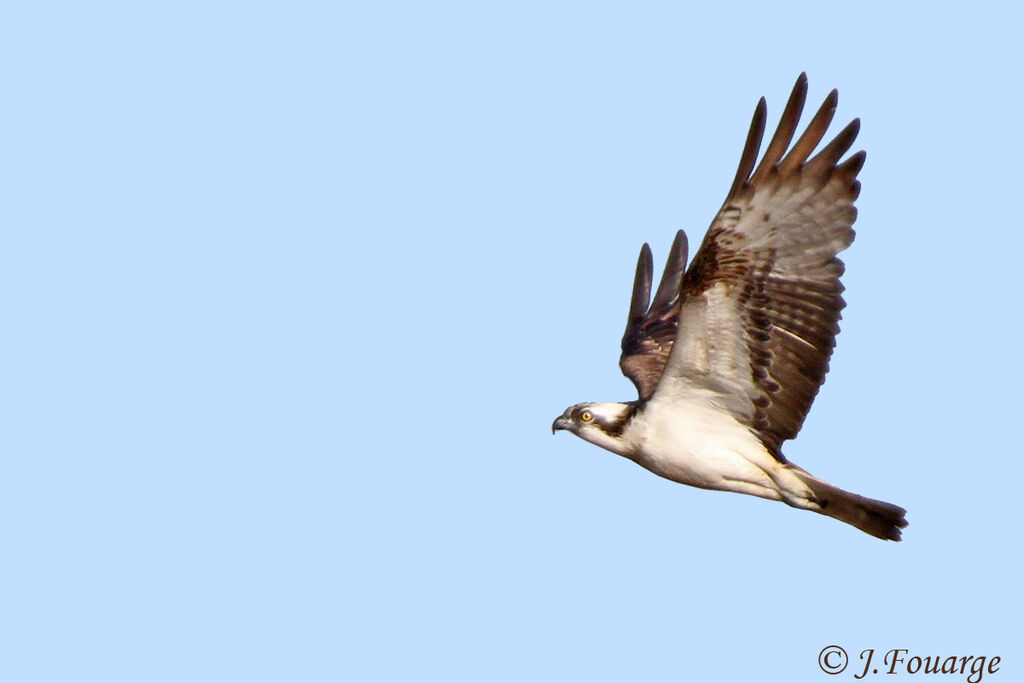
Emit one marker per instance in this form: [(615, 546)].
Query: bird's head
[(601, 424)]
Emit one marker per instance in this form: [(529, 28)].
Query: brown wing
[(761, 300), (650, 330)]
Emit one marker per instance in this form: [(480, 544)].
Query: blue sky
[(292, 293)]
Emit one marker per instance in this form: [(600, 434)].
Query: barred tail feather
[(880, 519)]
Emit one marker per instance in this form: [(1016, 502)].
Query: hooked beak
[(562, 422)]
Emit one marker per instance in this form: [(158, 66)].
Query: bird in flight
[(730, 354)]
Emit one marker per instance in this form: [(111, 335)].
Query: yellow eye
[(586, 416)]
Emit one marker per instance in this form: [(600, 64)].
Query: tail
[(880, 519)]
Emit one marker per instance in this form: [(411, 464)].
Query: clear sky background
[(291, 293)]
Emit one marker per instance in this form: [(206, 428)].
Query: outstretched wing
[(761, 301), (651, 327)]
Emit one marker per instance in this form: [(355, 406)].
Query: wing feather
[(753, 145), (641, 286), (675, 266), (815, 131), (784, 133)]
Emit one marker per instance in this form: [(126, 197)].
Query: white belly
[(694, 443)]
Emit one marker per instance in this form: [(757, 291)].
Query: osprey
[(729, 356)]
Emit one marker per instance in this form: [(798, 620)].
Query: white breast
[(694, 440)]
